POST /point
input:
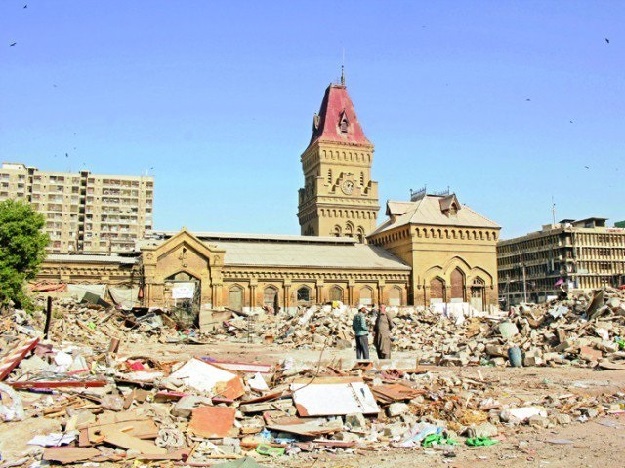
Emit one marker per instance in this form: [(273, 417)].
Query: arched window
[(394, 296), (349, 229), (336, 293), (270, 298), (336, 232), (360, 235), (235, 297), (366, 296), (303, 294)]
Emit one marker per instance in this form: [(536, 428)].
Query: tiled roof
[(430, 211), (335, 107), (91, 258), (356, 256)]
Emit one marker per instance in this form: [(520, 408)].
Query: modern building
[(582, 254), (84, 212), (430, 249)]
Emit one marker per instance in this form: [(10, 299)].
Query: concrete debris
[(200, 410)]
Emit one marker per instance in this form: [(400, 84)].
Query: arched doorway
[(235, 297), (478, 298), (457, 286), (270, 298), (437, 290), (183, 292)]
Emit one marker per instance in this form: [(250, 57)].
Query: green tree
[(22, 249)]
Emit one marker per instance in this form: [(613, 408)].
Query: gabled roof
[(433, 210), (290, 251), (337, 108)]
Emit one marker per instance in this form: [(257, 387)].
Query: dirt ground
[(598, 442)]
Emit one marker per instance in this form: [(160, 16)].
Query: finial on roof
[(342, 75)]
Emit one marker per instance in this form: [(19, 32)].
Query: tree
[(22, 249)]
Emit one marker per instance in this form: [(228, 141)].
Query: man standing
[(361, 332), (382, 330)]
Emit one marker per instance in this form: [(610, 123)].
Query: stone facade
[(339, 198), (431, 249), (450, 248)]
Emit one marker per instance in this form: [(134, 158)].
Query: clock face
[(348, 187)]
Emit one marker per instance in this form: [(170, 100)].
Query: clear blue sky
[(510, 104)]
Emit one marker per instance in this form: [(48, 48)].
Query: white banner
[(183, 291)]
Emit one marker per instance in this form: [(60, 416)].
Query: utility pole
[(524, 289)]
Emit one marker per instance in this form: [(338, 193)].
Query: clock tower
[(339, 198)]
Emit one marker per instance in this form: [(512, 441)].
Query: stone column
[(253, 284), (350, 293), (287, 288), (381, 284), (319, 291)]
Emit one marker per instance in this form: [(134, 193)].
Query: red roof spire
[(336, 120)]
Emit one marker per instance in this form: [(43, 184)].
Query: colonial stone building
[(430, 249), (339, 198), (450, 248)]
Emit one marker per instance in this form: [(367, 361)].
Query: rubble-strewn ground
[(566, 409)]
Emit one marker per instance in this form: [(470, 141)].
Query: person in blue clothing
[(361, 332)]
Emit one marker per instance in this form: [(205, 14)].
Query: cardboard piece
[(333, 396), (69, 454), (205, 377), (212, 422), (389, 393)]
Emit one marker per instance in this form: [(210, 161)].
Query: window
[(336, 294), (303, 294)]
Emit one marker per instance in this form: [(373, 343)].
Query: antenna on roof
[(343, 69)]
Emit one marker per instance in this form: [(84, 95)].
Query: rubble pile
[(586, 330), (95, 323), (103, 406)]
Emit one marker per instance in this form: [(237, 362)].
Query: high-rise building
[(571, 254), (84, 212)]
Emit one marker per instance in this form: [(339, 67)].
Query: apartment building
[(84, 212), (572, 254)]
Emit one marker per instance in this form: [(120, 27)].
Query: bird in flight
[(528, 99), (13, 44), (587, 167), (607, 41)]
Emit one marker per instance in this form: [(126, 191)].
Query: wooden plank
[(69, 454), (261, 407), (123, 440), (12, 360), (142, 429)]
